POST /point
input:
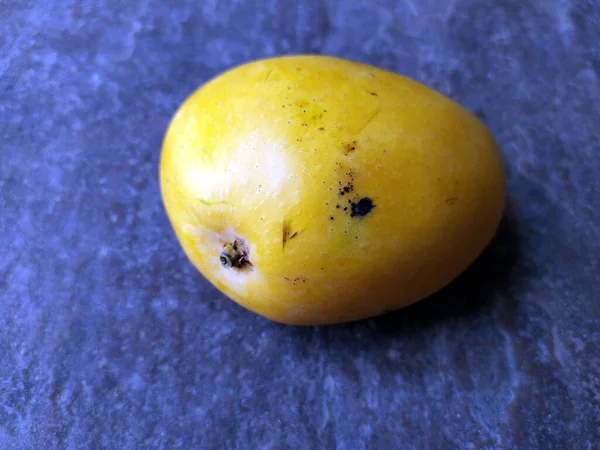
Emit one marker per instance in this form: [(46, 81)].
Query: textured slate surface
[(110, 339)]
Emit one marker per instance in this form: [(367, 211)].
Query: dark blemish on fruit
[(374, 94), (346, 184), (303, 110), (285, 231), (350, 147), (362, 207), (298, 279), (299, 140), (295, 280), (345, 208), (337, 206), (293, 235), (268, 75), (451, 200), (304, 124), (331, 218), (347, 188), (321, 129)]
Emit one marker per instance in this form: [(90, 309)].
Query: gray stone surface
[(110, 339)]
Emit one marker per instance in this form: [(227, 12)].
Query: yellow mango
[(316, 190)]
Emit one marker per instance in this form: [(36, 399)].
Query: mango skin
[(350, 191)]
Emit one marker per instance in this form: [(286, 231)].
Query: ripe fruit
[(315, 190)]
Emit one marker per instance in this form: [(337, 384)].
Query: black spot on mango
[(362, 207)]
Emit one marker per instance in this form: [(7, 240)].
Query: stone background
[(110, 339)]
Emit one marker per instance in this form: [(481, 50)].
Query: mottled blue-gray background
[(110, 339)]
